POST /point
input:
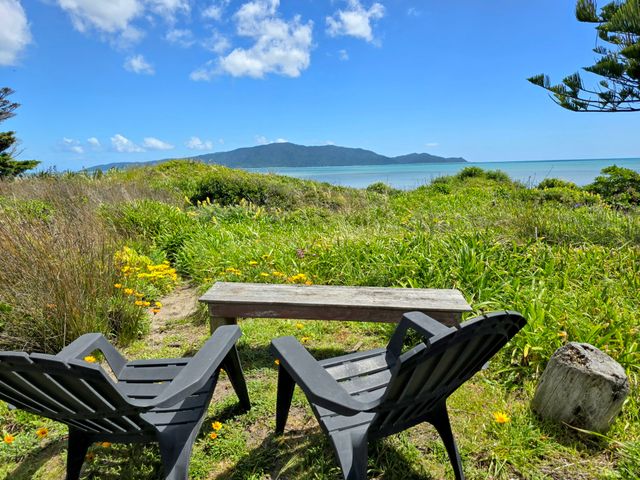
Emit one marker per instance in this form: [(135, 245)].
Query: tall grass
[(57, 255)]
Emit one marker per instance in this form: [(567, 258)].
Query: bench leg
[(217, 321)]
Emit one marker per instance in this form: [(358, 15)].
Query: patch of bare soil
[(178, 305)]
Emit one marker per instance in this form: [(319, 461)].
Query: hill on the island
[(292, 155)]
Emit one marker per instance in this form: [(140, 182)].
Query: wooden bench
[(229, 301)]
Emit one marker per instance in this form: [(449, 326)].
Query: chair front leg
[(176, 444), (440, 420), (351, 448), (232, 365), (285, 394), (77, 447)]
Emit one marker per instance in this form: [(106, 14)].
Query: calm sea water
[(407, 176)]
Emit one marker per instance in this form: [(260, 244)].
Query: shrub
[(470, 172), (555, 183), (497, 176), (382, 188), (619, 186)]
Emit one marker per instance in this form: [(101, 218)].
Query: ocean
[(412, 175)]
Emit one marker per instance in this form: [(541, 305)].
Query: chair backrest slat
[(74, 392), (428, 375)]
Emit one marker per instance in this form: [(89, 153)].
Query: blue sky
[(132, 80)]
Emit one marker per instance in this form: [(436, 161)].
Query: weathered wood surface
[(581, 386), (322, 302)]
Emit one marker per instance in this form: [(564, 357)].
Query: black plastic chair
[(369, 395), (161, 401)]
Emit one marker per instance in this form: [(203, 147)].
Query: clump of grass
[(58, 274)]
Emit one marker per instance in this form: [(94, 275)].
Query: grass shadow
[(299, 453), (36, 459)]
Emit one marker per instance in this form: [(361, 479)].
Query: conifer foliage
[(9, 166), (618, 65)]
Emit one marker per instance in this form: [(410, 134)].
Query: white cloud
[(217, 43), (281, 47), (432, 144), (182, 37), (122, 144), (262, 140), (94, 142), (204, 73), (413, 12), (114, 18), (106, 16), (169, 8), (14, 31), (355, 20), (71, 145), (215, 10), (195, 143), (153, 143), (343, 55), (137, 64)]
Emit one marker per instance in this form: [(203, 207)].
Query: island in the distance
[(292, 155)]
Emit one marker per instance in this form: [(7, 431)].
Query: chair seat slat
[(149, 373)]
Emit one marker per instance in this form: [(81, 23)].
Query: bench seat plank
[(325, 302)]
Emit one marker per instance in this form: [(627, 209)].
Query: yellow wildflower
[(216, 426), (105, 444), (139, 303), (213, 435), (305, 339), (501, 417), (298, 278), (139, 295), (563, 334), (90, 359), (275, 273), (253, 262), (158, 304), (42, 432), (8, 438), (155, 311), (146, 304), (264, 274), (299, 326), (90, 457), (128, 291), (117, 285), (308, 282)]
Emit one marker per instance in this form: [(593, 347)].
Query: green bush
[(382, 188), (618, 186), (555, 183), (470, 172)]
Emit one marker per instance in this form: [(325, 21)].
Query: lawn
[(565, 258)]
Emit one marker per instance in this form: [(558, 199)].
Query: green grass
[(568, 261)]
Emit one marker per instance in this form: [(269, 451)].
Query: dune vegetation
[(98, 252)]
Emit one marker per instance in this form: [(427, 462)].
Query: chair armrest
[(201, 367), (320, 387), (429, 328), (89, 342)]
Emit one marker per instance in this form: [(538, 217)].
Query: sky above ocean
[(132, 80)]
